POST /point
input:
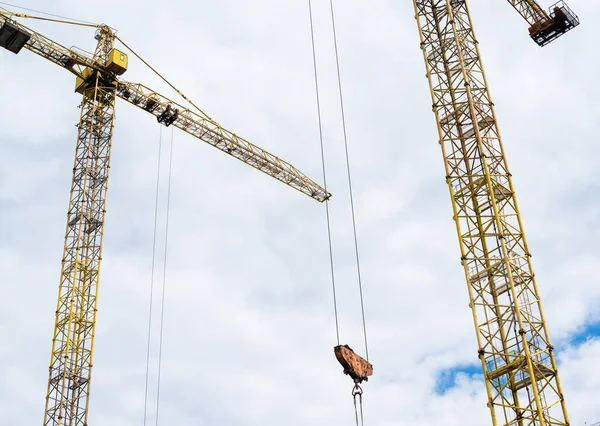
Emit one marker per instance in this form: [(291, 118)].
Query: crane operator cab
[(561, 19)]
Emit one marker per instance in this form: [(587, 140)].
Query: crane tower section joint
[(13, 38), (561, 20), (86, 84)]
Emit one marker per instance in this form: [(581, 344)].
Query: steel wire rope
[(314, 55), (152, 274), (205, 115), (162, 306), (337, 62), (66, 20), (362, 418), (356, 410), (357, 392)]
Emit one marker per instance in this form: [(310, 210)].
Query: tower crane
[(517, 358), (98, 80)]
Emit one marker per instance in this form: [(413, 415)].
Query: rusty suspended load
[(355, 366)]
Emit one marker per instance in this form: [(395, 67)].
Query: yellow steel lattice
[(516, 355), (71, 359)]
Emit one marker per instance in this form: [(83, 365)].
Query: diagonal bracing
[(516, 355)]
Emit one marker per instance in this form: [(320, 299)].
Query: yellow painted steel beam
[(530, 10), (517, 357), (68, 393), (212, 133), (74, 60)]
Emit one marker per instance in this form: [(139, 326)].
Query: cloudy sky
[(248, 321)]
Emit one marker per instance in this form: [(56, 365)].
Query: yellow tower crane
[(519, 366), (97, 79)]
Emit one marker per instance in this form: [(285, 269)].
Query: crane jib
[(15, 36), (168, 112)]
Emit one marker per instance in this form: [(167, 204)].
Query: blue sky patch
[(447, 378), (587, 332)]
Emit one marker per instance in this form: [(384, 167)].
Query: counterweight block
[(562, 19), (13, 38)]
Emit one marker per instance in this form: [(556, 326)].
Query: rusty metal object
[(354, 366)]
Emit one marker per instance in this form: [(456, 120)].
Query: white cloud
[(248, 322)]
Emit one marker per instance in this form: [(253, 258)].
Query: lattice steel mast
[(71, 360), (67, 398), (517, 358)]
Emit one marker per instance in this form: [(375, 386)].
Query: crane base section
[(562, 19), (13, 38), (354, 366)]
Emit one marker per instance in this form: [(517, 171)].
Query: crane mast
[(517, 357), (68, 393)]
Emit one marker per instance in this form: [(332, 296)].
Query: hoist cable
[(312, 36), (362, 419), (152, 274), (356, 410), (164, 280), (337, 61), (357, 392)]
